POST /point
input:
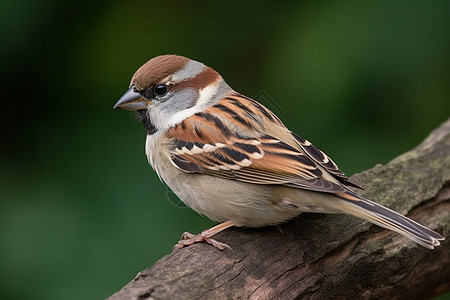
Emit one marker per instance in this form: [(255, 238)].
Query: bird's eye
[(160, 90)]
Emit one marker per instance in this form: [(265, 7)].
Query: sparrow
[(230, 158)]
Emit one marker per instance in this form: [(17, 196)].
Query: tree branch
[(320, 256)]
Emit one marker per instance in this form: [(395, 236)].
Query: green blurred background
[(81, 211)]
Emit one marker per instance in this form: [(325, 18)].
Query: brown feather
[(200, 81), (245, 145), (156, 69)]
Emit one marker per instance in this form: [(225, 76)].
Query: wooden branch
[(320, 256)]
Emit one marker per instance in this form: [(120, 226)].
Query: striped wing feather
[(321, 158), (227, 141)]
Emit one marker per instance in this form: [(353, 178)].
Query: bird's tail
[(384, 217)]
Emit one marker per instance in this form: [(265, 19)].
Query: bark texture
[(320, 256)]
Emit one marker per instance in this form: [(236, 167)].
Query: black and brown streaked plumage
[(230, 158)]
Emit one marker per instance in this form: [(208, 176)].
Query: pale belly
[(222, 200)]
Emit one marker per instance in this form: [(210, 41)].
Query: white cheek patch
[(205, 96)]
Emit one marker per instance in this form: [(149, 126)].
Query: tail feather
[(384, 217)]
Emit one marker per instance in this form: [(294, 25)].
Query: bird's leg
[(188, 238)]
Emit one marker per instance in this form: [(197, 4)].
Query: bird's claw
[(188, 238)]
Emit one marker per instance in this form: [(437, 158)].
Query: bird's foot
[(188, 238)]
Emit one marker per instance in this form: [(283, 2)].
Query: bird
[(230, 158)]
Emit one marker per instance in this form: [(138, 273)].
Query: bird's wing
[(323, 160), (227, 140)]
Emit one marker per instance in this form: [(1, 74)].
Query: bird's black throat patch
[(143, 116)]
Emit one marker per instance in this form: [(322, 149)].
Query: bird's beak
[(132, 100)]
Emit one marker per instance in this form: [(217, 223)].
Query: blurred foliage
[(82, 212)]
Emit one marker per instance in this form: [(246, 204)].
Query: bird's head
[(170, 88)]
